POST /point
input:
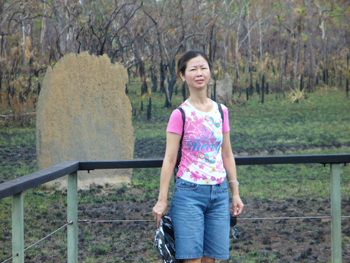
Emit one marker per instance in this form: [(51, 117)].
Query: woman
[(200, 204)]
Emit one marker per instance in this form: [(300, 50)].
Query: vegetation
[(289, 61), (266, 46), (319, 125)]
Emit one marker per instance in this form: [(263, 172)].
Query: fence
[(16, 187)]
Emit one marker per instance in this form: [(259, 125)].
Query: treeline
[(266, 46)]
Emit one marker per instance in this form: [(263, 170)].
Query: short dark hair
[(182, 62)]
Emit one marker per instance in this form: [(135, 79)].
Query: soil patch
[(112, 232), (123, 230), (11, 158)]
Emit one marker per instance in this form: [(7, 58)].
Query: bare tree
[(176, 29), (299, 25), (136, 34), (241, 23), (229, 19)]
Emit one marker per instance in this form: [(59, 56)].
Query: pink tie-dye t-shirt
[(201, 160)]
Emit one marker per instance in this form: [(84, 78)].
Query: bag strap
[(182, 136), (221, 113), (179, 153)]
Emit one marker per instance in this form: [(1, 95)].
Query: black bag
[(164, 241)]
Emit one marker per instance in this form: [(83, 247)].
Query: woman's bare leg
[(196, 260), (208, 260), (199, 260)]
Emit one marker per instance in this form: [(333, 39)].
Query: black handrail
[(32, 180), (26, 182), (240, 160)]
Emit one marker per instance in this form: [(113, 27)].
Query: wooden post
[(72, 218), (17, 228), (336, 214)]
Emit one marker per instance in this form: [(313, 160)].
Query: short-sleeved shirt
[(201, 160)]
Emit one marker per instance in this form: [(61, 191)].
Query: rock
[(304, 254), (239, 102), (346, 231), (264, 253), (264, 152), (266, 240), (224, 90), (84, 114), (283, 207)]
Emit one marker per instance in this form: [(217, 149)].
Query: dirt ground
[(276, 240), (260, 240)]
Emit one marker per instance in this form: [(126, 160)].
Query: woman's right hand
[(159, 210)]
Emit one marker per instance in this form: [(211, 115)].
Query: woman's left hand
[(237, 205)]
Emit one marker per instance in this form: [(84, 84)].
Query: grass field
[(318, 125)]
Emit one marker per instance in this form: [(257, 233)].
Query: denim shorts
[(201, 220)]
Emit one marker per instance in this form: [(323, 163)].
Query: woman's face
[(197, 73)]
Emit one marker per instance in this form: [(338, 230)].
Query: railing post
[(17, 228), (336, 214), (72, 217)]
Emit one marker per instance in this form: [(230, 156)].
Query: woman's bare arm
[(172, 147), (230, 167)]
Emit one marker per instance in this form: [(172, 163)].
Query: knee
[(208, 260), (195, 260)]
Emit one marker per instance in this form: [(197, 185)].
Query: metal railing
[(16, 187)]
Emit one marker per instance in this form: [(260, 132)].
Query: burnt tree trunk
[(169, 88), (251, 89), (297, 56), (214, 91), (149, 109), (172, 82), (311, 40), (301, 82), (267, 88), (162, 76), (211, 44), (263, 89), (184, 91), (347, 80), (154, 80)]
